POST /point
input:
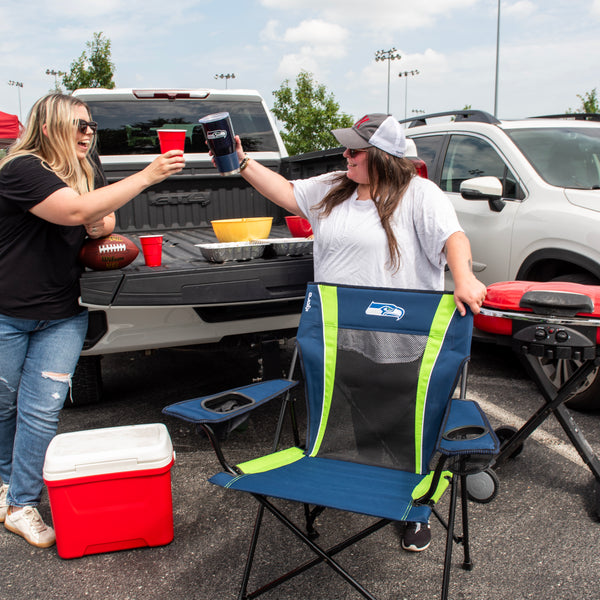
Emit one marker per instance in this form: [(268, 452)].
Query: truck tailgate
[(186, 278)]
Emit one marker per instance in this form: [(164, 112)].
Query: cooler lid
[(108, 450)]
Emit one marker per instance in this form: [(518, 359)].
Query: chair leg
[(251, 551), (467, 562), (322, 555), (311, 516), (449, 539)]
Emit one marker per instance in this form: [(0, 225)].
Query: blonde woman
[(52, 194)]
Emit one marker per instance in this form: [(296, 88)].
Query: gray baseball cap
[(375, 129)]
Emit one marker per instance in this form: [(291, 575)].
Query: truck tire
[(87, 382), (587, 396)]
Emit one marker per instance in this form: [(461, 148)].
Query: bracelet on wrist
[(244, 163)]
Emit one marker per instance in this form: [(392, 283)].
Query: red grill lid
[(506, 295)]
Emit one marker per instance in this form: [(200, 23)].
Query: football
[(113, 251)]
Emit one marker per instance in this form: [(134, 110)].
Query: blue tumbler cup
[(220, 138)]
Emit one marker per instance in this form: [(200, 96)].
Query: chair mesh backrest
[(380, 366)]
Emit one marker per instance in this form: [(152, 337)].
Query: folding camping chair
[(384, 436)]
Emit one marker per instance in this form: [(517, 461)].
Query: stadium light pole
[(56, 74), (388, 55), (406, 74), (18, 85), (226, 77), (497, 62)]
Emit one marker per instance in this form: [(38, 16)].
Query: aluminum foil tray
[(221, 252), (291, 246)]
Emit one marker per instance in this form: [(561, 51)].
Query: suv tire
[(587, 397)]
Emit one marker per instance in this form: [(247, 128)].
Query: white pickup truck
[(188, 300)]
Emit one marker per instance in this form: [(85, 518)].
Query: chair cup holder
[(226, 403), (465, 433)]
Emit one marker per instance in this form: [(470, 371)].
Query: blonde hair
[(56, 147)]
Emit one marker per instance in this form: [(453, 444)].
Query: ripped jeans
[(37, 361)]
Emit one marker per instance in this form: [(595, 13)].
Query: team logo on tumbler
[(217, 134), (382, 309)]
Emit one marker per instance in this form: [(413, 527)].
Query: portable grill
[(553, 321)]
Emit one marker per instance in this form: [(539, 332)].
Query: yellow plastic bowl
[(242, 230)]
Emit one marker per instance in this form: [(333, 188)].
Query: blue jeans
[(37, 361)]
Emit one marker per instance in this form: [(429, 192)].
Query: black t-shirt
[(39, 271)]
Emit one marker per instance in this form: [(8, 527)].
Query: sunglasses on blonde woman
[(352, 152), (83, 125)]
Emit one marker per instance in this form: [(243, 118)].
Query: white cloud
[(316, 44), (134, 11), (519, 9), (270, 32), (379, 15), (291, 64), (318, 33), (595, 10)]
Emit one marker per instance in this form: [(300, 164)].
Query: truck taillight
[(170, 94), (420, 166)]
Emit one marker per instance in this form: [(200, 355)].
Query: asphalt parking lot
[(538, 539)]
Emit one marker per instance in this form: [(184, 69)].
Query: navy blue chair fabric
[(385, 437)]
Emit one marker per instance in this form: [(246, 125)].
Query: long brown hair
[(389, 177), (56, 148)]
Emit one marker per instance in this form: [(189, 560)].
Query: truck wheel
[(87, 382), (587, 396)]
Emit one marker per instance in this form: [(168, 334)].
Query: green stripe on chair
[(271, 461), (329, 310), (437, 333)]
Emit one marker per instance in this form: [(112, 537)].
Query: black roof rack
[(479, 116), (573, 116)]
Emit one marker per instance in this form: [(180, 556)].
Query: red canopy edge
[(9, 126)]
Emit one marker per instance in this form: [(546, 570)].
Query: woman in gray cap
[(377, 224)]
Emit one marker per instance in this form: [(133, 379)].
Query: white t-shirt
[(351, 247)]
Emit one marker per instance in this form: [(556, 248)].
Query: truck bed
[(186, 278)]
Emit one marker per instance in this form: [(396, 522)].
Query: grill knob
[(562, 335)]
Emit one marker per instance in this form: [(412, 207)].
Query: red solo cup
[(298, 226), (171, 139), (152, 249)]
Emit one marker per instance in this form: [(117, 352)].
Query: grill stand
[(532, 341)]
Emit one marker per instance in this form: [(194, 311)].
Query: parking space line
[(564, 449)]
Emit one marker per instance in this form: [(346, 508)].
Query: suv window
[(469, 157), (428, 148), (126, 127), (563, 156)]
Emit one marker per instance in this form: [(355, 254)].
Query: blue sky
[(548, 49)]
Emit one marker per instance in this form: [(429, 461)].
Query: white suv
[(527, 193)]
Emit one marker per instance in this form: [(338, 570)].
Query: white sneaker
[(3, 505), (28, 523)]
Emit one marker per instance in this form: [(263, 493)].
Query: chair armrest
[(223, 406), (466, 430), (226, 405), (466, 444)]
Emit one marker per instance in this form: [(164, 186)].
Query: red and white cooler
[(110, 489)]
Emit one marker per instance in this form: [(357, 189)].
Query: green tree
[(308, 113), (465, 107), (93, 69), (589, 103)]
